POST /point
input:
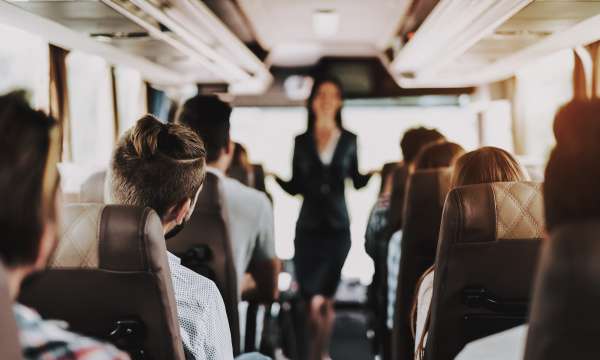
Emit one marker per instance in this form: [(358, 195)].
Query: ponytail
[(144, 136)]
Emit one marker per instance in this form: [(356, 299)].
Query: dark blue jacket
[(322, 186)]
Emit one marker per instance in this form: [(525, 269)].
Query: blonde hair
[(485, 165)]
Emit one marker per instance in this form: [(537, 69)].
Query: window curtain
[(59, 98), (594, 50), (582, 74), (115, 102)]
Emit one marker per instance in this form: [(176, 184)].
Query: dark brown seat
[(486, 259), (204, 246), (565, 318), (10, 348), (425, 194), (109, 278), (93, 189)]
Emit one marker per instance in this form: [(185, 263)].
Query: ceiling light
[(326, 23), (297, 87)]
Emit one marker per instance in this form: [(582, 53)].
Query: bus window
[(542, 88), (131, 97), (24, 64), (92, 125)]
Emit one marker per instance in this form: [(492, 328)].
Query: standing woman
[(324, 157)]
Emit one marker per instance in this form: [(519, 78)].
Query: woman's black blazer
[(322, 186)]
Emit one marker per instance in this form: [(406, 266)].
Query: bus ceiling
[(381, 48)]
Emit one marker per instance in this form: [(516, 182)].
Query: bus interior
[(484, 73)]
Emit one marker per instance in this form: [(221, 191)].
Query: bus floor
[(349, 340)]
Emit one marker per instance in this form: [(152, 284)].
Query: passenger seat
[(565, 315), (425, 194), (94, 188), (10, 347), (486, 260), (204, 245), (109, 278)]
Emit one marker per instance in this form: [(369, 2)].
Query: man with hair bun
[(162, 166)]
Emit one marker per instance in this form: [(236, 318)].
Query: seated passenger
[(252, 175), (574, 164), (162, 166), (249, 211), (393, 179), (485, 165), (29, 150), (433, 156), (386, 218)]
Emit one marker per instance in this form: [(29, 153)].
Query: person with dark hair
[(324, 157), (162, 166), (249, 211), (434, 155), (438, 155), (386, 220), (412, 142), (571, 195), (29, 152), (485, 165)]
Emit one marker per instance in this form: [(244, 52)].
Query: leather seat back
[(565, 319), (425, 194), (110, 273), (10, 348), (486, 259), (204, 246), (93, 189)]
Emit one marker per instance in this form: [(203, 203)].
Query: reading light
[(325, 23)]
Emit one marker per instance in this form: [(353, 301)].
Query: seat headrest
[(211, 195), (566, 292), (93, 188), (495, 211), (109, 237), (422, 183)]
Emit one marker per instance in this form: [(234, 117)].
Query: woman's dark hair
[(240, 167), (571, 191), (208, 116), (313, 93), (415, 139), (25, 145), (438, 155)]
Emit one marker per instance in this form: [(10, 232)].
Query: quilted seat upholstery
[(485, 263), (94, 189), (111, 268)]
